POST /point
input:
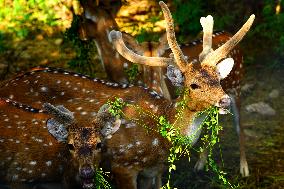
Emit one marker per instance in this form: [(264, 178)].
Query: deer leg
[(144, 182), (235, 107), (158, 181), (201, 161), (149, 182), (151, 178), (125, 178)]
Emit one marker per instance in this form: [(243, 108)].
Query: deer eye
[(99, 145), (194, 86), (71, 147)]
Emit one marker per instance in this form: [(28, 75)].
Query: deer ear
[(110, 128), (57, 130), (175, 76), (62, 118), (225, 67), (108, 123)]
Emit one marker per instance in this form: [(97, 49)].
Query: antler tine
[(207, 25), (220, 53), (116, 38), (60, 113), (178, 55)]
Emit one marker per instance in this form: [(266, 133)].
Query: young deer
[(95, 27), (84, 96), (34, 150)]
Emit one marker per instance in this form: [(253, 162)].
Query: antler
[(220, 53), (207, 25), (116, 38), (179, 57)]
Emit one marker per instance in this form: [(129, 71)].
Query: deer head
[(84, 141), (202, 78)]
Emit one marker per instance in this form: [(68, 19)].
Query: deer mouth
[(87, 177), (88, 183), (224, 104)]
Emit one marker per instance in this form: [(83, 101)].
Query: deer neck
[(188, 120), (111, 61)]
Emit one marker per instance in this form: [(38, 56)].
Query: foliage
[(210, 139), (187, 16), (116, 106), (267, 33), (147, 33), (19, 17), (3, 46), (100, 181), (132, 72), (270, 33), (180, 145)]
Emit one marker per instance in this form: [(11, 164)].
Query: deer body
[(155, 77), (125, 147)]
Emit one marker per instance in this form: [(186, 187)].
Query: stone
[(246, 88), (274, 93), (261, 108)]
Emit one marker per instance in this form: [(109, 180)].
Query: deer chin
[(223, 111), (88, 183)]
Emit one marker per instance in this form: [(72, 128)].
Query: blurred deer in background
[(85, 96), (96, 24)]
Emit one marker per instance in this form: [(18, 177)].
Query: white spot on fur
[(44, 89), (155, 142), (33, 163), (48, 163)]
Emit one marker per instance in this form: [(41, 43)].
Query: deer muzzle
[(224, 104), (87, 174)]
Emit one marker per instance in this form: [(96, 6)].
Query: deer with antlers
[(84, 96), (93, 26)]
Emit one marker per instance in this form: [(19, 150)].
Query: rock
[(274, 93), (247, 87), (261, 108)]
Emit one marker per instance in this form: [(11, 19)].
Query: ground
[(264, 133)]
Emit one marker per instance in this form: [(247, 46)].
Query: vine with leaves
[(180, 144)]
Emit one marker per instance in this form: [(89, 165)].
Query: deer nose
[(86, 172), (224, 102)]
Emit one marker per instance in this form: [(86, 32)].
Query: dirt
[(264, 134)]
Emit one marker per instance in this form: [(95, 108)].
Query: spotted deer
[(48, 144), (94, 26), (85, 96)]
